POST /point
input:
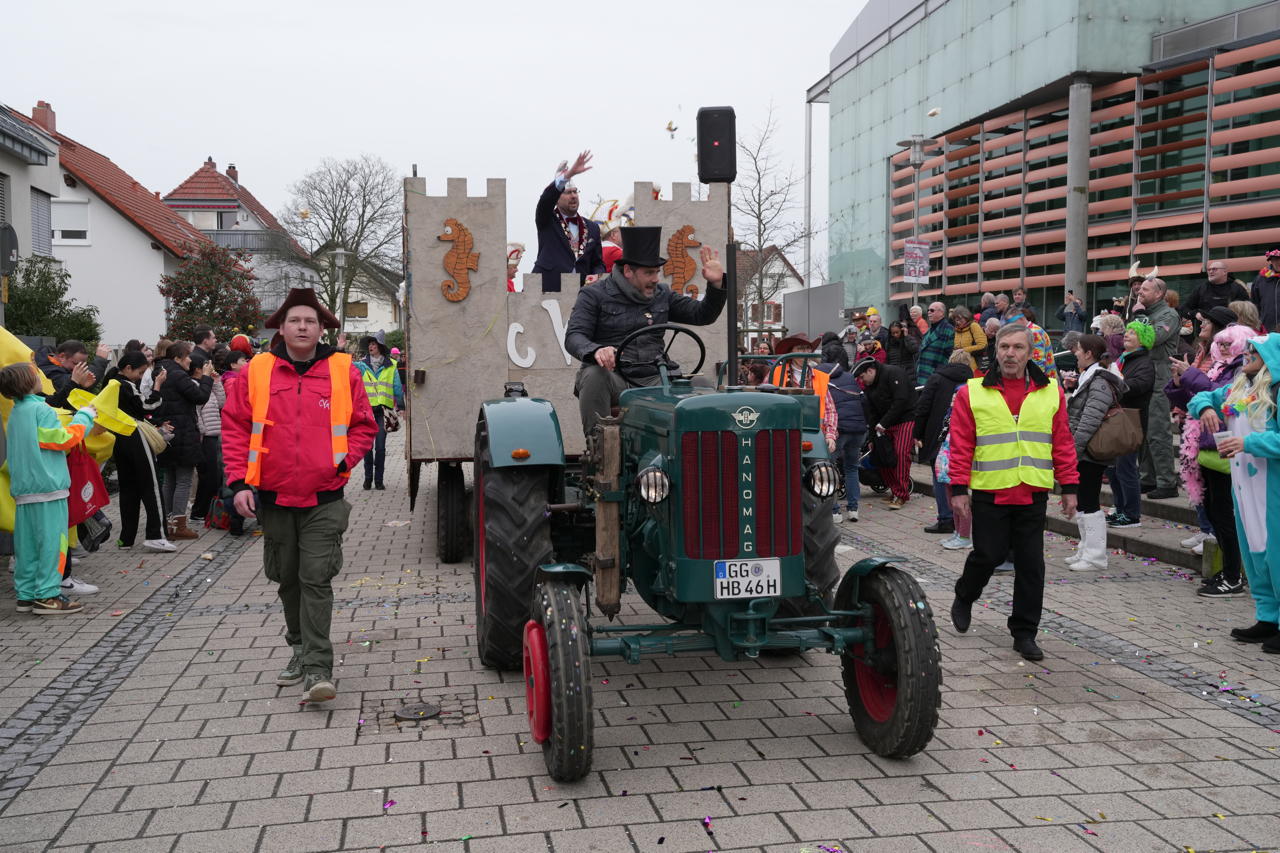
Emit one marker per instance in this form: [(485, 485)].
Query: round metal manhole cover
[(417, 711)]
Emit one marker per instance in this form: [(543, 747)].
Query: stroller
[(868, 475)]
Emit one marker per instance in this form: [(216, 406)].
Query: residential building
[(763, 278), (29, 180), (374, 302), (113, 235), (231, 216), (1175, 148)]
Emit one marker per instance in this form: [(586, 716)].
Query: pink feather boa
[(1227, 346)]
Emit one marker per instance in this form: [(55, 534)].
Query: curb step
[(1161, 544)]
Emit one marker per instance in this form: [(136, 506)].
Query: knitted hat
[(1220, 315), (241, 343), (1146, 334)]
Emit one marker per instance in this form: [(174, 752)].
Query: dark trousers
[(302, 551), (849, 452), (997, 529), (375, 460), (1218, 504), (209, 475), (1126, 490), (139, 487), (1090, 486)]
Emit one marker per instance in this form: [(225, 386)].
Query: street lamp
[(339, 256), (916, 145)]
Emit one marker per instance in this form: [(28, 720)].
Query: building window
[(70, 221), (203, 220), (41, 225), (357, 309)]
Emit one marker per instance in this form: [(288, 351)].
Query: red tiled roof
[(129, 198), (747, 263), (208, 184)]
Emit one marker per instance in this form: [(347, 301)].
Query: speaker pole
[(731, 297)]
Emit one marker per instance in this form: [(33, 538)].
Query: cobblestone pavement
[(153, 724)]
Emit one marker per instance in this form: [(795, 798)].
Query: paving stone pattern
[(161, 729)]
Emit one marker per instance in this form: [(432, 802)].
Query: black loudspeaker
[(717, 145)]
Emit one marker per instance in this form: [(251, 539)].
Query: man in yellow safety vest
[(1010, 439), (382, 384)]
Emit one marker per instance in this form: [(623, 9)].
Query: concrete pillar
[(1079, 105)]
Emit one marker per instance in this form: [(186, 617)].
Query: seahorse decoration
[(458, 260), (680, 267)]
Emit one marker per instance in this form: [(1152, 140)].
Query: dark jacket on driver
[(609, 310)]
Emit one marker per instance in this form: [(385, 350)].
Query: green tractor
[(715, 507)]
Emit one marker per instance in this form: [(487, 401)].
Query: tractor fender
[(568, 571), (522, 423), (867, 565)]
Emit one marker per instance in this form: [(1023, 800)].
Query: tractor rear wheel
[(451, 513), (820, 540), (512, 538), (557, 676), (894, 683)]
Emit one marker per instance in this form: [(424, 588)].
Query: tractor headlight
[(654, 485), (822, 479)]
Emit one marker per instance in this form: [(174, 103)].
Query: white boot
[(1078, 556), (1094, 551)]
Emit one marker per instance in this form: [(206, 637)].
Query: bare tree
[(355, 205), (764, 211)]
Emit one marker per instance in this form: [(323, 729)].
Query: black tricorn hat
[(640, 246), (302, 296)]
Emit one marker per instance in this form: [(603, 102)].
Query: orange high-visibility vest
[(260, 398), (820, 381)]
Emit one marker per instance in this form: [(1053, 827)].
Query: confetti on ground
[(388, 804)]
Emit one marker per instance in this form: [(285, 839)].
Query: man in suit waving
[(567, 241)]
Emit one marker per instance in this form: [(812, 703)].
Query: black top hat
[(302, 296), (640, 246)]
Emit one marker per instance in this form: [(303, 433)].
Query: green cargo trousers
[(302, 551)]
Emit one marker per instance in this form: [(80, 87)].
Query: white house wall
[(116, 270), (22, 178)]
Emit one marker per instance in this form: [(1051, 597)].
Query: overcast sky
[(463, 89)]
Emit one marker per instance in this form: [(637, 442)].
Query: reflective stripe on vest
[(340, 408), (1009, 451), (380, 385)]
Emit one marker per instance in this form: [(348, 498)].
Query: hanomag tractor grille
[(709, 471), (778, 530)]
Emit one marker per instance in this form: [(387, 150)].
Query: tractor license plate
[(748, 578)]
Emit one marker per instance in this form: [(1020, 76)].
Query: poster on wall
[(915, 262)]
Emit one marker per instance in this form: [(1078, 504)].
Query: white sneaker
[(1006, 566), (159, 545), (956, 542), (74, 586), (1199, 549), (1194, 539), (850, 515)]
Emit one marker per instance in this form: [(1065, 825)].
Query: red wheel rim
[(479, 491), (537, 681), (878, 691)]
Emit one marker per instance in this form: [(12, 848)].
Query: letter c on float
[(518, 360)]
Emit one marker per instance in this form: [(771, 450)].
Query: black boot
[(961, 614), (368, 484), (1256, 634), (1272, 646)]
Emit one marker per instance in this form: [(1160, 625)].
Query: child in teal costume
[(40, 483), (1249, 407)]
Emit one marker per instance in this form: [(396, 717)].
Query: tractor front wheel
[(512, 538), (557, 678), (820, 539), (893, 683)]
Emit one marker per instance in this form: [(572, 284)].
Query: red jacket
[(298, 464), (963, 435)]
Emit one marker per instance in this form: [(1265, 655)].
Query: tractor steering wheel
[(661, 328)]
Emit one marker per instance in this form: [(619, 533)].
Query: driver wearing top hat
[(629, 298)]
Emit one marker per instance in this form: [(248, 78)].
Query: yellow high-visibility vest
[(1009, 451)]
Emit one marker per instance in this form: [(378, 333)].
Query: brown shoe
[(56, 606), (897, 503), (180, 529)]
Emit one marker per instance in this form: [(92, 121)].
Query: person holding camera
[(1072, 313), (187, 386)]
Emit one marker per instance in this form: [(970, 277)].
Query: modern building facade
[(1062, 141)]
